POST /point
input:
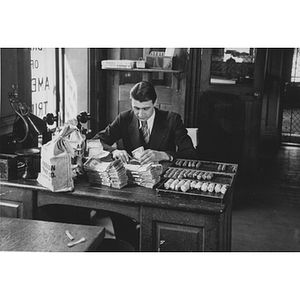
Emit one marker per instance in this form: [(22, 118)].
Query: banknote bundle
[(111, 174), (147, 175)]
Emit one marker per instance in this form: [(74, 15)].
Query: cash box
[(8, 166)]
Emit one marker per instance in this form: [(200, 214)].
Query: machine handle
[(161, 242), (50, 119), (83, 117)]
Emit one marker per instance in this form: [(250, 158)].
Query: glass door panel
[(232, 66)]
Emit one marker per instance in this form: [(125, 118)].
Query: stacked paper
[(111, 174), (94, 148), (120, 64), (147, 175)]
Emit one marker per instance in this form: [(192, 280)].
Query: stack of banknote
[(111, 174), (147, 175)]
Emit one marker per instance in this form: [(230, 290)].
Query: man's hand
[(149, 156), (121, 155)]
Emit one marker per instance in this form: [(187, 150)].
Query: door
[(231, 88), (290, 129)]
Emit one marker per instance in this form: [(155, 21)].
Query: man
[(161, 133)]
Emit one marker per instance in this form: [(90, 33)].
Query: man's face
[(143, 110)]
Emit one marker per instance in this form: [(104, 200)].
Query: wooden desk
[(167, 224), (30, 235)]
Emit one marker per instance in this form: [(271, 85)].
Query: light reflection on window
[(295, 76)]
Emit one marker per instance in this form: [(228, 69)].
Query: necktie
[(145, 132)]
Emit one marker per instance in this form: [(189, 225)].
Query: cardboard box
[(8, 166), (159, 62)]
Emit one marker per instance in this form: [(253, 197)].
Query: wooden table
[(166, 224), (30, 235)]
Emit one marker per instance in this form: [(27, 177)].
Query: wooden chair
[(193, 133)]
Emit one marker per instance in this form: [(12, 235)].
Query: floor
[(266, 210)]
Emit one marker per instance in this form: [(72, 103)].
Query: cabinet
[(16, 202), (175, 237), (171, 230)]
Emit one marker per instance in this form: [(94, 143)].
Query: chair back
[(193, 133)]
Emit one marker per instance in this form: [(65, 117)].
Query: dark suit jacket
[(168, 134)]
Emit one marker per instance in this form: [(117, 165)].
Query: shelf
[(144, 70), (176, 73)]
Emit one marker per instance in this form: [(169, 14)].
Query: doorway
[(230, 105)]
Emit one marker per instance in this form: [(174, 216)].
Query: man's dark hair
[(143, 91)]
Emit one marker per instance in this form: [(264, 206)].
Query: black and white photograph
[(144, 155)]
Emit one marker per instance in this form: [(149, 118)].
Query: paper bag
[(56, 169)]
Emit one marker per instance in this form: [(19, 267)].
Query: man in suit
[(161, 133)]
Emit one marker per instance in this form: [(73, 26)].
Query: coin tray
[(197, 171)]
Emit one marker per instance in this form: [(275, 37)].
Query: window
[(59, 82), (43, 81), (232, 65), (295, 76)]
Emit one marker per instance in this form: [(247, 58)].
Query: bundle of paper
[(144, 175), (120, 64), (111, 174)]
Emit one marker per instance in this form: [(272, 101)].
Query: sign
[(43, 87)]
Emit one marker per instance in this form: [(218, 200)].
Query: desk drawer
[(16, 202), (11, 209), (14, 193)]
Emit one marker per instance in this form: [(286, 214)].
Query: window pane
[(72, 75), (232, 66), (75, 82)]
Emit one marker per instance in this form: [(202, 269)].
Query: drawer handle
[(161, 242)]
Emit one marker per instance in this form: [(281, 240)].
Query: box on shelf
[(141, 64), (118, 64), (159, 62)]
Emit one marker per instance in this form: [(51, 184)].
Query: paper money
[(147, 175), (111, 173), (137, 153)]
